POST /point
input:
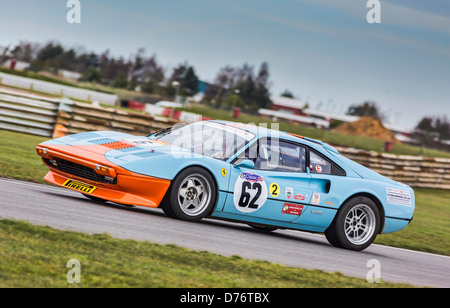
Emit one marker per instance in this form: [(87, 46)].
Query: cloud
[(392, 15)]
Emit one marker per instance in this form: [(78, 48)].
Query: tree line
[(233, 86)]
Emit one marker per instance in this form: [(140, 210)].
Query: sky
[(323, 51)]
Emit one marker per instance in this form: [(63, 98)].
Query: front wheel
[(191, 196), (356, 225)]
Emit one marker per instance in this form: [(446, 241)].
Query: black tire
[(356, 225), (263, 228), (191, 196), (95, 199)]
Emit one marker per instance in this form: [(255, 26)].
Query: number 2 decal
[(250, 192), (274, 190)]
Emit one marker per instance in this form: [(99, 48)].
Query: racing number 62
[(244, 200)]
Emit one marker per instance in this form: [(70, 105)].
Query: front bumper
[(126, 188)]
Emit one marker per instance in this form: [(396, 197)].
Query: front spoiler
[(130, 189)]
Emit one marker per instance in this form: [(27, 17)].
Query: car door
[(327, 183), (276, 188)]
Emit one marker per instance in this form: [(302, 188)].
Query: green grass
[(429, 231), (32, 256), (18, 158), (330, 137)]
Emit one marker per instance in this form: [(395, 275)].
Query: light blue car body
[(330, 191)]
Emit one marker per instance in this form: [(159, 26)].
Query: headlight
[(41, 151)]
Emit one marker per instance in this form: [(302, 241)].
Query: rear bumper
[(394, 224)]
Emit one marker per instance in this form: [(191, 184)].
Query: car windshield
[(210, 139)]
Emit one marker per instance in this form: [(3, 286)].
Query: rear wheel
[(356, 225), (191, 196)]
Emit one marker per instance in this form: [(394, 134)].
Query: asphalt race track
[(68, 210)]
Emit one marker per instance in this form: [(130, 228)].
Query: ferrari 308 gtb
[(238, 172)]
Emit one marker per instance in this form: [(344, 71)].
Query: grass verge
[(18, 158), (32, 256)]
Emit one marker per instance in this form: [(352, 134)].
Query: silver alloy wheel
[(360, 224), (194, 194)]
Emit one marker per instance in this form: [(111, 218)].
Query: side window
[(250, 153), (318, 164), (278, 155)]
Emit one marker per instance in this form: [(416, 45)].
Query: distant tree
[(190, 81), (367, 109), (263, 75), (121, 81), (432, 130), (25, 51), (47, 57), (148, 87), (49, 52), (4, 55), (234, 100), (224, 82), (92, 74), (113, 68), (187, 78), (253, 89), (287, 93)]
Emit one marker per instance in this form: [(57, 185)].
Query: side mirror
[(246, 164)]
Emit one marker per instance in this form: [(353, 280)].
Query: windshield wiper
[(159, 132), (165, 130)]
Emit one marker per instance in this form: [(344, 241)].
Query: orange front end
[(107, 181)]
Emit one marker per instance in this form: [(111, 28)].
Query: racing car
[(237, 172)]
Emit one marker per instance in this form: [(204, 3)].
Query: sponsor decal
[(292, 209), (316, 198), (146, 142), (250, 192), (329, 203), (319, 168), (398, 196), (299, 197), (289, 192), (80, 186), (234, 130), (274, 190), (224, 172), (251, 177)]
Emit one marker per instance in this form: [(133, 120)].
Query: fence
[(415, 171), (75, 117), (57, 89), (54, 117), (28, 113)]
